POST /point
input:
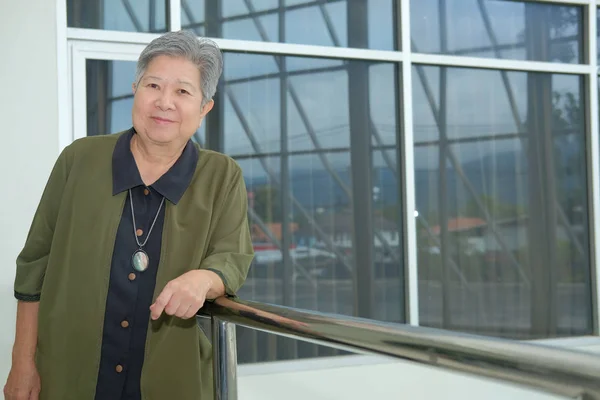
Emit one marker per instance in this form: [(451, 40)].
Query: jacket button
[(119, 368), (146, 192), (139, 232), (125, 324), (131, 276)]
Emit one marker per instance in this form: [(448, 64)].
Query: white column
[(174, 14), (593, 153), (408, 168)]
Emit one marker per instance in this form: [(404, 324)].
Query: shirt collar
[(172, 185)]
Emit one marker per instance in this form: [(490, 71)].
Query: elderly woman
[(133, 233)]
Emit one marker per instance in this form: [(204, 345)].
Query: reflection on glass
[(322, 233), (313, 127), (314, 23), (109, 96), (118, 15), (383, 105), (387, 241), (249, 125), (192, 16), (299, 177), (519, 30), (501, 200), (386, 202)]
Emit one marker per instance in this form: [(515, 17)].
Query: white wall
[(28, 136)]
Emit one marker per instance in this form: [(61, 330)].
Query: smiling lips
[(162, 121)]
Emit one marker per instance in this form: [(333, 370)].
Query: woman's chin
[(162, 136)]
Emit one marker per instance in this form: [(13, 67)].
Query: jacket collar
[(172, 185)]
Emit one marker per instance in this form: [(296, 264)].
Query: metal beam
[(360, 165), (329, 22)]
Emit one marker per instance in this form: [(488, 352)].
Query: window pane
[(501, 196), (118, 15), (498, 29), (109, 96), (315, 23), (305, 256), (250, 124), (387, 222), (386, 184)]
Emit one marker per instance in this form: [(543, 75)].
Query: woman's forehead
[(176, 69)]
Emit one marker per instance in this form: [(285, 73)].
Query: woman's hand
[(23, 382), (184, 296)]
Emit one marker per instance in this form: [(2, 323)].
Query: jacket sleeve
[(33, 259), (230, 250)]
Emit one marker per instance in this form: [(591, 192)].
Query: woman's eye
[(153, 85), (183, 91)]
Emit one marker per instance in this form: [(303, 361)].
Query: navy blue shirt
[(130, 292)]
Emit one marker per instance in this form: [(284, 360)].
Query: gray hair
[(203, 53)]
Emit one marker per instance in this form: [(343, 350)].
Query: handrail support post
[(224, 360)]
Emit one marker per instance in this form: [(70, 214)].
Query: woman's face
[(167, 105)]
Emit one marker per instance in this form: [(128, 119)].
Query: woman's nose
[(165, 101)]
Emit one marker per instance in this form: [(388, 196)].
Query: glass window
[(118, 15), (296, 155), (192, 18), (520, 30), (501, 195), (109, 96), (309, 22)]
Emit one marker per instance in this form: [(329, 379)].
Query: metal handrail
[(558, 371)]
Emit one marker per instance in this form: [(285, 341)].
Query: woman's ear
[(207, 107)]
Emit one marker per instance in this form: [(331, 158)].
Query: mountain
[(503, 177)]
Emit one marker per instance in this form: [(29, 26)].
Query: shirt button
[(131, 276), (119, 368), (146, 192), (139, 232), (124, 324)]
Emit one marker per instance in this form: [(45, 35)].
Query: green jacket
[(66, 263)]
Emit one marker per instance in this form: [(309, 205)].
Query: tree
[(494, 207), (267, 203)]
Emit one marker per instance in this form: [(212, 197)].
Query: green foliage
[(494, 207), (267, 203)]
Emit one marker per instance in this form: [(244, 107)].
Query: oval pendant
[(140, 260)]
